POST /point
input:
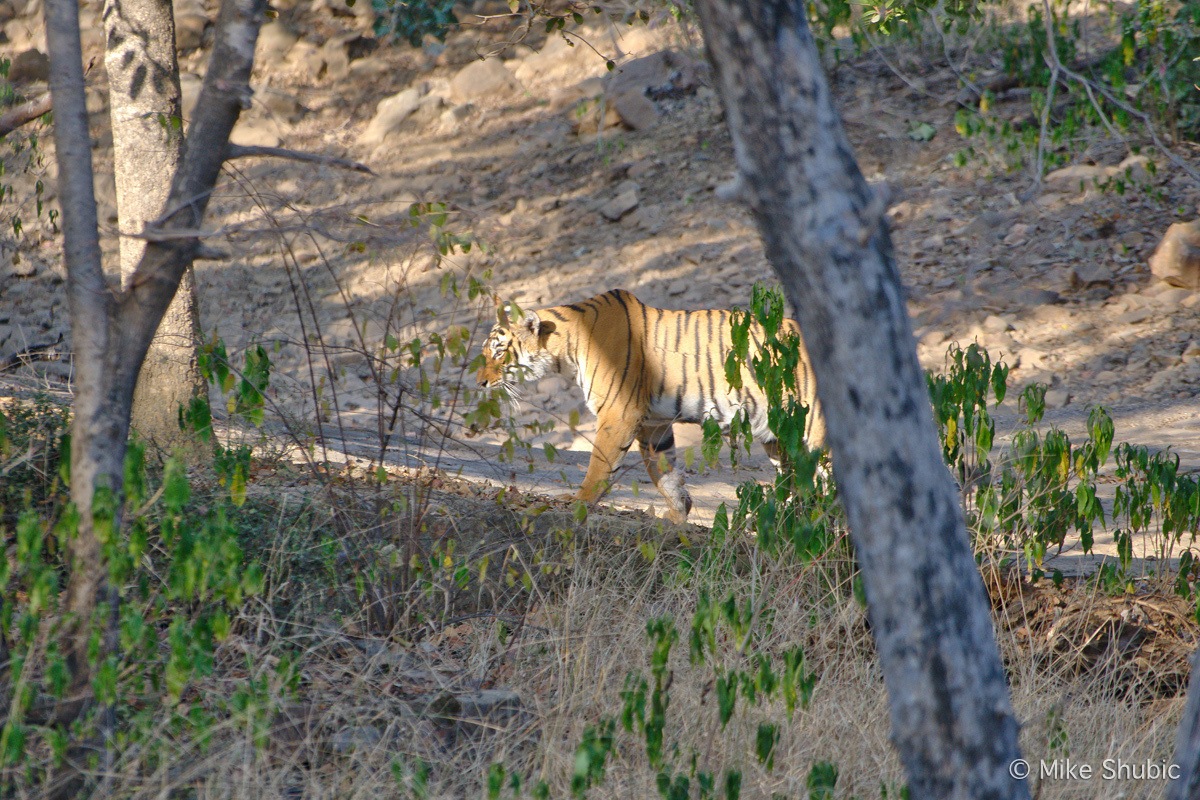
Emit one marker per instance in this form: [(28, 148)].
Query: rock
[(280, 104), (25, 268), (625, 201), (480, 79), (558, 64), (1018, 234), (664, 72), (390, 114), (1177, 258), (1173, 297), (1135, 168), (1135, 316), (996, 324), (642, 169), (635, 110), (189, 31), (1191, 352), (454, 116), (1057, 398), (570, 96), (592, 116), (336, 53), (1084, 275), (28, 66), (275, 41), (256, 133), (1038, 297), (1077, 177)]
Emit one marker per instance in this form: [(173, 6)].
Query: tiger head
[(513, 353)]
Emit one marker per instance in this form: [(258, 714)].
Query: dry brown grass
[(370, 706)]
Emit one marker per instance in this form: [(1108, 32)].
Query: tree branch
[(258, 151), (23, 114)]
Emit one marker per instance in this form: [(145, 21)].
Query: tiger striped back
[(641, 370)]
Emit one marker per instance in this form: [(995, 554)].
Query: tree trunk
[(112, 327), (1185, 783), (826, 236), (143, 77)]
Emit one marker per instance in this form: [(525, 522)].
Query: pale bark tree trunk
[(112, 327), (826, 237), (144, 106)]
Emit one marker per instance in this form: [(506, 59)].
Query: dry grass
[(371, 706)]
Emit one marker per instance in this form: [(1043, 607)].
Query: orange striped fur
[(641, 369)]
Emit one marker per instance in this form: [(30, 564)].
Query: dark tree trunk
[(827, 238)]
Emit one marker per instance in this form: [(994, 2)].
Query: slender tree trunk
[(143, 77), (112, 327), (826, 236)]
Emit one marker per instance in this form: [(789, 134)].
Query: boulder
[(275, 40), (28, 66), (481, 79), (636, 110), (390, 114), (1177, 258), (189, 31)]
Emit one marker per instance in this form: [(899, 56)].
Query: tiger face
[(513, 354)]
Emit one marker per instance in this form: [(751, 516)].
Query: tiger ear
[(532, 323)]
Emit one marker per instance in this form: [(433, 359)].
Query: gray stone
[(480, 79), (1136, 315), (1177, 259), (390, 114), (1077, 176), (570, 96), (996, 324), (275, 41), (1057, 398), (189, 31), (619, 206), (1083, 275), (635, 110), (1174, 296)]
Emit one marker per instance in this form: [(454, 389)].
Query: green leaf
[(921, 131)]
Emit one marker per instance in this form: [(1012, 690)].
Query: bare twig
[(1092, 88), (258, 151)]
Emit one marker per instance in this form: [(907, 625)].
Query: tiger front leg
[(657, 444), (613, 439)]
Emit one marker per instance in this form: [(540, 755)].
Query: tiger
[(641, 370)]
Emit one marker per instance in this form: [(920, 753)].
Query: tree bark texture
[(827, 239), (112, 327), (144, 103)]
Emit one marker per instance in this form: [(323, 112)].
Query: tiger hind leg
[(657, 443)]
